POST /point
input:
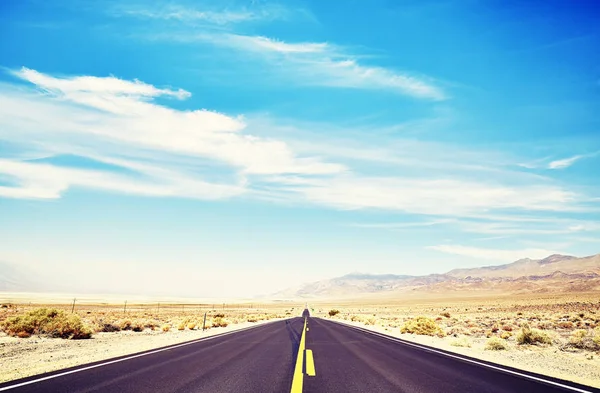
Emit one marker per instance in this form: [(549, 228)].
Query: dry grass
[(520, 320), (495, 344), (423, 326), (93, 318), (47, 322)]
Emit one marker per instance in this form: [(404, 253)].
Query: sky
[(237, 148)]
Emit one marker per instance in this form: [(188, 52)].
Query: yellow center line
[(298, 379), (310, 364)]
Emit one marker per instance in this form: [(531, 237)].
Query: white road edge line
[(18, 385), (574, 389)]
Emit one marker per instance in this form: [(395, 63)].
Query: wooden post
[(73, 308), (204, 323)]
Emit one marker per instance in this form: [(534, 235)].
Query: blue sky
[(236, 148)]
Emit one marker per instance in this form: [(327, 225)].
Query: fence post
[(73, 308), (204, 323)]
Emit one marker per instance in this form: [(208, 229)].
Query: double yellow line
[(298, 379)]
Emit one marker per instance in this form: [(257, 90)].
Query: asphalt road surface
[(284, 357)]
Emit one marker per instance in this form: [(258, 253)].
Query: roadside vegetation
[(46, 322), (84, 322), (565, 322)]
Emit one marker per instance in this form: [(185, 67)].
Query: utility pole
[(73, 308)]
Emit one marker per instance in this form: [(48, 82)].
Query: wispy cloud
[(330, 65), (499, 255), (201, 12), (567, 162), (447, 197), (104, 114), (402, 225), (562, 163), (83, 115), (317, 64)]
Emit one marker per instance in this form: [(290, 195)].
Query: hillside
[(555, 273)]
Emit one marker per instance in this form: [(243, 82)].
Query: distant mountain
[(556, 273)]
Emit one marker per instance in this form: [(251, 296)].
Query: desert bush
[(445, 314), (181, 325), (461, 342), (219, 322), (423, 326), (137, 326), (584, 339), (495, 344), (596, 338), (219, 316), (191, 325), (507, 328), (165, 328), (252, 319), (565, 325), (48, 322), (334, 312), (530, 336), (107, 327), (505, 335), (124, 324)]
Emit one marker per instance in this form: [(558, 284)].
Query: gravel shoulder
[(20, 358), (571, 366)]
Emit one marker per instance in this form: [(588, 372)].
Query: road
[(267, 358)]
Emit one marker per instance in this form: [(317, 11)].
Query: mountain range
[(555, 273)]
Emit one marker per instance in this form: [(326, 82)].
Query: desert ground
[(556, 335), (110, 329), (551, 334)]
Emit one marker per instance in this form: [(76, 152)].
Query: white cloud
[(402, 225), (264, 44), (179, 150), (448, 197), (318, 64), (124, 106), (492, 254), (44, 181), (201, 12), (109, 86), (106, 116), (564, 163)]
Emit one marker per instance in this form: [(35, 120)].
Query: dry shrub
[(596, 338), (48, 322), (445, 314), (585, 339), (565, 325), (505, 335), (530, 336), (252, 319), (165, 328), (181, 325), (191, 325), (334, 312), (219, 322), (461, 342), (495, 344), (423, 326)]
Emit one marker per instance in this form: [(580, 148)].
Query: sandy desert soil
[(21, 358), (468, 324)]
